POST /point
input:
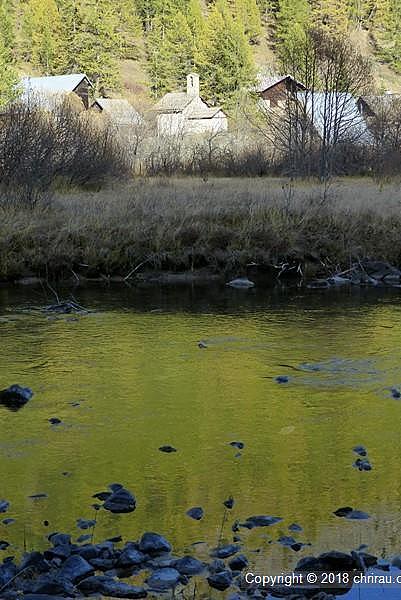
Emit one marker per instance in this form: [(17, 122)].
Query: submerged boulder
[(15, 396), (120, 500), (163, 579), (260, 521), (154, 543), (221, 580), (195, 513), (107, 586)]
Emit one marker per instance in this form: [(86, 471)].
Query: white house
[(183, 113), (49, 92), (335, 117)]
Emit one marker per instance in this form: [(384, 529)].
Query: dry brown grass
[(180, 224)]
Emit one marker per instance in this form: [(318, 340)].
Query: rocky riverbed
[(148, 566)]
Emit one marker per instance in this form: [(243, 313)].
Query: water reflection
[(130, 378)]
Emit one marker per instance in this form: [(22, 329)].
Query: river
[(129, 377)]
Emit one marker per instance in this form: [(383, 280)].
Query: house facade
[(185, 113), (274, 91), (50, 92), (117, 111)]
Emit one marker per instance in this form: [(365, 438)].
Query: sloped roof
[(57, 84), (119, 110), (173, 102), (335, 115), (384, 102), (199, 112), (266, 82)]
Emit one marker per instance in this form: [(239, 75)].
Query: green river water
[(134, 366)]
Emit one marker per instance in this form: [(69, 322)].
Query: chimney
[(193, 84)]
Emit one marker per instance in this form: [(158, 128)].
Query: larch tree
[(41, 35), (91, 43), (170, 47), (8, 77), (248, 13), (223, 57)]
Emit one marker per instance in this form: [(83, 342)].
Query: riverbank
[(186, 225)]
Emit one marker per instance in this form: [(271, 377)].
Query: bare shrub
[(39, 148)]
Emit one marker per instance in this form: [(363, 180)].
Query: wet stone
[(187, 565), (221, 580), (153, 543), (195, 513), (163, 579)]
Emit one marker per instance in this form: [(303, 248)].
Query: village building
[(50, 92), (118, 111), (334, 117), (374, 106), (185, 113), (274, 91)]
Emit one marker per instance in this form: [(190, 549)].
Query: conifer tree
[(170, 49), (91, 44), (332, 15), (42, 31), (291, 19), (8, 78), (7, 21), (223, 57), (248, 14)]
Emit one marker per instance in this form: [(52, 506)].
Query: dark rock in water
[(163, 579), (362, 465), (361, 450), (294, 527), (167, 449), (395, 393), (286, 540), (260, 521), (36, 562), (220, 581), (4, 506), (15, 396), (85, 523), (195, 513), (8, 521), (8, 570), (217, 565), (75, 568), (153, 543), (229, 503), (116, 539), (59, 539), (37, 496), (130, 556), (42, 597), (3, 544), (187, 565), (282, 379), (239, 445), (53, 586), (202, 345), (102, 496), (62, 551), (349, 513), (84, 538), (120, 501), (225, 551), (55, 421), (238, 563), (107, 586)]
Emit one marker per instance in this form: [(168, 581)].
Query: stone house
[(118, 111), (185, 113)]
